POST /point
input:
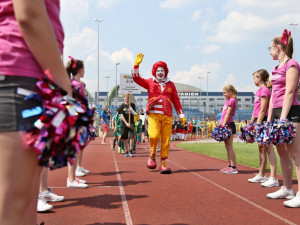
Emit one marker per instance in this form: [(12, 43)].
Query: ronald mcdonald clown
[(161, 94)]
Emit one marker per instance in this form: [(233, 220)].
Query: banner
[(127, 85)]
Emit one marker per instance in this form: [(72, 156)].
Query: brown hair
[(73, 71), (264, 76), (288, 49), (231, 89)]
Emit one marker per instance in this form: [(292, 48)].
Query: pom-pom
[(248, 133), (221, 133), (277, 132), (62, 129)]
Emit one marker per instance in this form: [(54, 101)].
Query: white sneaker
[(258, 179), (79, 180), (76, 184), (282, 193), (293, 203), (79, 173), (43, 206), (271, 182), (49, 196), (84, 170)]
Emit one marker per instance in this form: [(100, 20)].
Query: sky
[(227, 38)]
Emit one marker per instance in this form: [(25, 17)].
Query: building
[(194, 101)]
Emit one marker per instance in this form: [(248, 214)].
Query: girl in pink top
[(228, 112), (260, 112), (284, 105), (75, 69), (30, 42)]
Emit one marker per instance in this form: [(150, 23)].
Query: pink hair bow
[(74, 62), (285, 36)]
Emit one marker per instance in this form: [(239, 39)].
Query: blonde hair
[(231, 89), (288, 49), (264, 76)]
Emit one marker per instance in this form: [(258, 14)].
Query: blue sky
[(228, 38)]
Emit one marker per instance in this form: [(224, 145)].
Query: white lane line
[(98, 186), (238, 196), (122, 193)]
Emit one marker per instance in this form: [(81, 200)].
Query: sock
[(234, 167), (114, 143), (134, 144)]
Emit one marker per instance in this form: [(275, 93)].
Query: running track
[(124, 191)]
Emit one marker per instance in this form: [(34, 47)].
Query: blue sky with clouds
[(228, 38)]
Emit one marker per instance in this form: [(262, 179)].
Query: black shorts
[(232, 127), (293, 116), (128, 133), (194, 130), (16, 114), (264, 119)]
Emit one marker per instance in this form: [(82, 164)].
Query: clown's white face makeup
[(160, 73)]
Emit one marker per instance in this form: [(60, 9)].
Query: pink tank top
[(15, 57)]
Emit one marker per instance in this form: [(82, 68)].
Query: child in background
[(228, 112), (260, 113), (190, 129), (284, 105), (115, 129)]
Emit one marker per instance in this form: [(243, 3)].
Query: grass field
[(246, 154)]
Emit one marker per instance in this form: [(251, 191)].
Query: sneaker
[(293, 203), (282, 193), (224, 169), (258, 179), (230, 170), (79, 173), (126, 154), (76, 184), (131, 154), (49, 196), (84, 170), (79, 180), (122, 151), (43, 206), (119, 150), (271, 182)]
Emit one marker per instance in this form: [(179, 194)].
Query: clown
[(161, 94)]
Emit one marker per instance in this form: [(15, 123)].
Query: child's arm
[(227, 116), (40, 38), (263, 109), (270, 109)]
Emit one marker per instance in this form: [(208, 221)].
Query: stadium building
[(194, 101)]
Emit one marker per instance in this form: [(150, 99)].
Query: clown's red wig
[(160, 64)]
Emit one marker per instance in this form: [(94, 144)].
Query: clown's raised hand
[(138, 59)]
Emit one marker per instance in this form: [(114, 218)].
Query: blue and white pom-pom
[(221, 133), (278, 132), (248, 133)]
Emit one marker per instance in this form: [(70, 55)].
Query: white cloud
[(211, 49), (239, 86), (190, 47), (175, 4), (238, 26), (108, 3), (191, 76), (196, 14)]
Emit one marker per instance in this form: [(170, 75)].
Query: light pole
[(207, 105), (200, 78), (117, 82), (294, 24), (107, 89), (97, 100)]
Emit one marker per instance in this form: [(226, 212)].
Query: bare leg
[(294, 150), (272, 160), (286, 165), (80, 156), (19, 168), (262, 160), (44, 180), (72, 169), (230, 151)]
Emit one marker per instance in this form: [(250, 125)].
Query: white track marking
[(122, 193), (237, 195)]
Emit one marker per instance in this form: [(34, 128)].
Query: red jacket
[(169, 95)]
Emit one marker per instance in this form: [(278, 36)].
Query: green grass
[(246, 154)]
